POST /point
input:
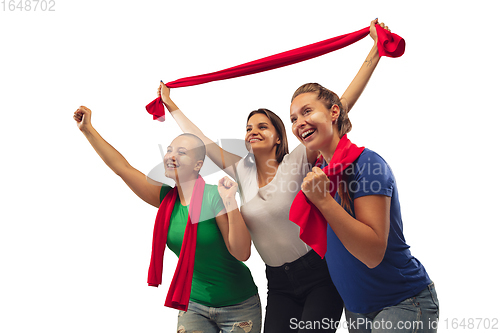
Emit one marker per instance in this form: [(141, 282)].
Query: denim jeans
[(244, 317), (418, 314), (300, 295)]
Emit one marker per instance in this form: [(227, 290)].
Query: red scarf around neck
[(303, 213), (389, 44), (180, 287)]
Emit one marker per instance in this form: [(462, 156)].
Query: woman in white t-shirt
[(300, 290)]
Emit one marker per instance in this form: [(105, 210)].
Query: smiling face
[(261, 135), (312, 122), (181, 161)]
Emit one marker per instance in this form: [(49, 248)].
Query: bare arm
[(147, 190), (361, 79), (222, 158), (231, 223), (365, 236), (358, 84)]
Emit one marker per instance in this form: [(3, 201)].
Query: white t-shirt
[(265, 210)]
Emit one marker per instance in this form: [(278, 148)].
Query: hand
[(227, 188), (373, 30), (82, 116), (316, 186), (164, 93)]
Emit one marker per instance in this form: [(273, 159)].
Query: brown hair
[(282, 147), (329, 99)]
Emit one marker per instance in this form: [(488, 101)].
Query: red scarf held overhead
[(180, 287), (303, 213), (389, 44)]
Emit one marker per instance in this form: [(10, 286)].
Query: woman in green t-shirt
[(223, 293)]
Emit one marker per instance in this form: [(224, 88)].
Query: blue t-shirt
[(399, 275)]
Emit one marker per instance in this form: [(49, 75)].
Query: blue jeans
[(244, 317), (418, 314), (302, 297)]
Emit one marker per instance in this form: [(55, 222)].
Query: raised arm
[(361, 79), (231, 223), (358, 84), (222, 158), (146, 189)]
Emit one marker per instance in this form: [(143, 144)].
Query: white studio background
[(75, 241)]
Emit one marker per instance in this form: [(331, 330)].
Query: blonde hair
[(344, 126)]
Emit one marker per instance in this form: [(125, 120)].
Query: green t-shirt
[(219, 279)]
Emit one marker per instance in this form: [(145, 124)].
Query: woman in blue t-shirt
[(383, 286)]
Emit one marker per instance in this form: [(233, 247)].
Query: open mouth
[(171, 165), (254, 140), (307, 133)]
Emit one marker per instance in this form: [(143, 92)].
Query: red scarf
[(303, 213), (389, 44), (180, 287)]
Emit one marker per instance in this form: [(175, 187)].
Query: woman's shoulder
[(211, 192), (247, 162), (212, 200), (299, 154), (210, 188), (372, 166), (369, 156), (164, 190)]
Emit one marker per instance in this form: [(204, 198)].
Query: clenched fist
[(227, 188), (82, 116), (316, 186)]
